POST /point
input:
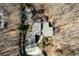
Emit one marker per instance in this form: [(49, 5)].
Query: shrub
[(23, 27)]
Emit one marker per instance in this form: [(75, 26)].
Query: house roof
[(37, 28), (47, 31)]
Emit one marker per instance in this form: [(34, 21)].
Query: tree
[(23, 30)]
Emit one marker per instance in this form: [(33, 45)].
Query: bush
[(23, 27), (45, 42), (23, 5)]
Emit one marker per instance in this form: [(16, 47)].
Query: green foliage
[(23, 27), (43, 42), (23, 16), (23, 13), (23, 5), (29, 5)]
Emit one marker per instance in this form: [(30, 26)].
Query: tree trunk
[(22, 44)]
